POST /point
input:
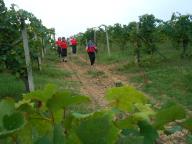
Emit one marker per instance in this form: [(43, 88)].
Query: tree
[(147, 27), (179, 29), (135, 38), (11, 52)]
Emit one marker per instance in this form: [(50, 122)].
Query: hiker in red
[(58, 42), (64, 46), (91, 50), (73, 43)]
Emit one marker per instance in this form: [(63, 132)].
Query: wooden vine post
[(27, 56)]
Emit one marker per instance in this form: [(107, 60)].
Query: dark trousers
[(74, 49), (92, 57), (59, 51), (64, 52)]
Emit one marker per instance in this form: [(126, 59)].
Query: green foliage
[(131, 140), (10, 121), (11, 86), (147, 29), (179, 30), (130, 136), (53, 72), (68, 122), (148, 131), (61, 100), (72, 138), (168, 113), (125, 98), (39, 126), (12, 52), (189, 139), (187, 124), (129, 122), (187, 81), (13, 121), (42, 95), (26, 122), (58, 116), (44, 140), (99, 128), (144, 112), (25, 135), (58, 135), (7, 108)]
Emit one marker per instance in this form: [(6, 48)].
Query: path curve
[(92, 85)]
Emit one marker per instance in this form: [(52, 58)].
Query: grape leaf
[(6, 108), (97, 129), (12, 123), (125, 97), (169, 113), (148, 131), (61, 100), (42, 95), (58, 134)]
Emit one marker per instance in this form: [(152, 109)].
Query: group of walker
[(62, 45)]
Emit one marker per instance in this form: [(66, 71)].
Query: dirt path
[(93, 81)]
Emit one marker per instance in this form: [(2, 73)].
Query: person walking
[(64, 49), (58, 44), (73, 43), (91, 50)]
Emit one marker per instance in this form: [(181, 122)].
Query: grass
[(115, 57), (103, 57), (79, 62), (96, 73), (10, 86), (171, 79), (167, 79), (51, 73)]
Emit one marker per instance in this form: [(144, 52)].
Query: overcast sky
[(69, 17)]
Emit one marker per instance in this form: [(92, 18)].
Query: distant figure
[(73, 43), (58, 43), (64, 49), (91, 50)]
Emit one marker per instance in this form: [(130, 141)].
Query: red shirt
[(73, 42), (91, 49), (63, 44), (58, 43)]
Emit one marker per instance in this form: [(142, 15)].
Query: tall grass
[(10, 86), (52, 73)]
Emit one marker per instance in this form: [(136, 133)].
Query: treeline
[(12, 57), (143, 37)]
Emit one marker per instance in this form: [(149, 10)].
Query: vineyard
[(138, 92)]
